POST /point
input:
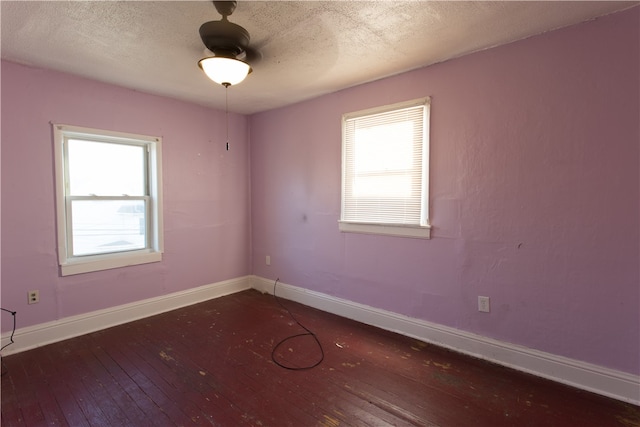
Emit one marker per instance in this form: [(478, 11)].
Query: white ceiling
[(309, 48)]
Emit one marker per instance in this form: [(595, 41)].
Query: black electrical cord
[(13, 313), (307, 333), (13, 331)]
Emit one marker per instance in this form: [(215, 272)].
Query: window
[(385, 169), (108, 199)]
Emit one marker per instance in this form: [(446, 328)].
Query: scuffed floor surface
[(211, 365)]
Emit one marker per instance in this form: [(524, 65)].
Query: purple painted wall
[(534, 184), (206, 193), (534, 196)]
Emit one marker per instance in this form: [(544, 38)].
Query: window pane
[(389, 186), (106, 169), (384, 147), (384, 165), (102, 226)]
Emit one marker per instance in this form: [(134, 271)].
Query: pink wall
[(535, 196), (206, 193)]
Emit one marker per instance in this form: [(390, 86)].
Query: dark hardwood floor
[(211, 364)]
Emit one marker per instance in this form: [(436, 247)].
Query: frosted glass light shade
[(224, 71)]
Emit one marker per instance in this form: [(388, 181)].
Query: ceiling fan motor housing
[(224, 38), (225, 8)]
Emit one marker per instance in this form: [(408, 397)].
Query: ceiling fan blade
[(224, 35), (226, 39), (252, 56)]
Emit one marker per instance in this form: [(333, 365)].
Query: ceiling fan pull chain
[(226, 110)]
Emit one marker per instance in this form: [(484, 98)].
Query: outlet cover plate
[(484, 305), (33, 297)]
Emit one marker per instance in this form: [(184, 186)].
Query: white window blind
[(385, 167)]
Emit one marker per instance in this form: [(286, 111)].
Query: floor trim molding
[(585, 376), (69, 327), (582, 375)]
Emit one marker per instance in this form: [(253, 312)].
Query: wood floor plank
[(130, 389), (72, 394), (261, 365), (177, 381), (155, 398), (91, 374), (121, 398), (199, 378), (237, 354), (44, 407), (44, 371), (12, 417), (330, 400), (211, 365)]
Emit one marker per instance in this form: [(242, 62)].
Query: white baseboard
[(585, 376), (69, 327)]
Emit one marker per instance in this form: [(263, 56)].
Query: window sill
[(415, 232), (97, 263)]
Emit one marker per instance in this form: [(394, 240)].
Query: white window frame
[(421, 230), (70, 264)]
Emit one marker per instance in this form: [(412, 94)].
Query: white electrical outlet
[(33, 297), (268, 260), (484, 304)]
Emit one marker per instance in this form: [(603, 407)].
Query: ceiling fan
[(229, 44)]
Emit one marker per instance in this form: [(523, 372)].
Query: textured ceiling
[(309, 47)]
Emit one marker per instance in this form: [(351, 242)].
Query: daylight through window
[(109, 199), (385, 170)]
